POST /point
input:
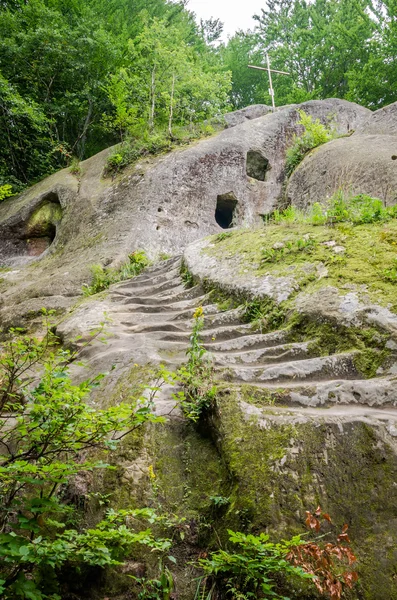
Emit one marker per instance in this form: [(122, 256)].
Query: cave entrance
[(257, 165), (41, 229), (226, 205)]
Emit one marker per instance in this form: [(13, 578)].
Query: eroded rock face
[(380, 122), (360, 164), (159, 205), (247, 114)]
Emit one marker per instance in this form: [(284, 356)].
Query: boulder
[(250, 112), (380, 122), (360, 164), (52, 233)]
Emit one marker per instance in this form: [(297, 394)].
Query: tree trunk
[(171, 106), (152, 99)]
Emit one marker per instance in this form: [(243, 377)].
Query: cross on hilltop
[(269, 71)]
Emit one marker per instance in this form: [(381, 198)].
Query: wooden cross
[(269, 71)]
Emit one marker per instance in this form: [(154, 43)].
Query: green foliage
[(5, 191), (341, 207), (251, 571), (104, 277), (322, 45), (315, 134), (156, 589), (196, 376), (76, 76), (219, 501), (272, 255), (74, 167), (264, 314), (146, 144), (50, 435)]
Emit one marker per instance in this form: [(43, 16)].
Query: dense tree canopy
[(332, 48), (76, 75), (79, 75)]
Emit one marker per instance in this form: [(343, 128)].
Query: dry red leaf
[(327, 561), (326, 517)]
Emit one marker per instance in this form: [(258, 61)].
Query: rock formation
[(159, 205), (365, 163), (306, 410)]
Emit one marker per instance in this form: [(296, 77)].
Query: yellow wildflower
[(198, 313), (152, 474)]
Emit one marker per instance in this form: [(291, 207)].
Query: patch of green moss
[(251, 455), (368, 361), (44, 218), (282, 470), (188, 470), (364, 270)]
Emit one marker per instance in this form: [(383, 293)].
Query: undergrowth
[(147, 144), (196, 376), (315, 134), (341, 207), (103, 277)]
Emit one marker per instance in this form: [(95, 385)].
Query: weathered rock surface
[(360, 164), (296, 423), (380, 122), (293, 427), (298, 428), (246, 114), (159, 205)]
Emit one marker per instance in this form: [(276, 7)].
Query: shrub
[(102, 277), (74, 167), (341, 207), (5, 192), (315, 134), (134, 148), (49, 435), (257, 566)]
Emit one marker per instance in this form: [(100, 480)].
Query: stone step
[(156, 308), (221, 333), (145, 289), (195, 293), (376, 392), (251, 341), (165, 265), (274, 354), (311, 369), (149, 279)]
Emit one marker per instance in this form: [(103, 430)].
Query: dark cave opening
[(225, 210), (257, 165)]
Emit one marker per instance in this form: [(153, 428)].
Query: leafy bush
[(257, 566), (102, 277), (315, 134), (49, 435), (5, 191), (341, 207), (145, 144), (74, 167)]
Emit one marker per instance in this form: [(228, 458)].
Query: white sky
[(235, 14)]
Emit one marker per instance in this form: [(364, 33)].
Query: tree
[(25, 143), (49, 434), (167, 81), (325, 45)]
